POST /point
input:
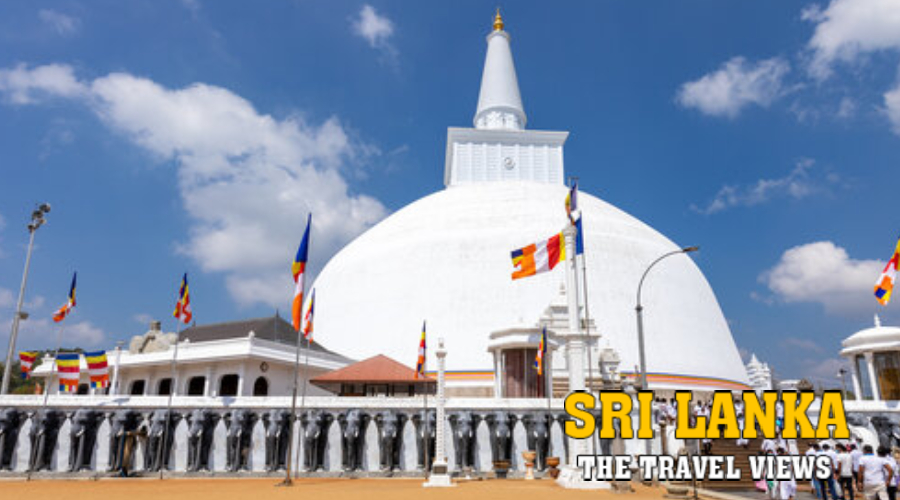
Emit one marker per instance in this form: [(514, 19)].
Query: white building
[(759, 374), (446, 259), (240, 358), (874, 354)]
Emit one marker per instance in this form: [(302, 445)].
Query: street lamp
[(37, 220), (842, 372), (640, 317)]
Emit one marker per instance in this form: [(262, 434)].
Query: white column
[(575, 345), (241, 372), (114, 385), (207, 386), (857, 389), (876, 391), (497, 375), (439, 476)]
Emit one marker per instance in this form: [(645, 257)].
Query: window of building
[(862, 373), (887, 369), (261, 387), (137, 388), (196, 386), (228, 385), (520, 379), (83, 389), (165, 387)]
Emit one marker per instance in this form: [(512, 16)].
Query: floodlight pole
[(37, 219)]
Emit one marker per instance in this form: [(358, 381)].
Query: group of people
[(855, 468)]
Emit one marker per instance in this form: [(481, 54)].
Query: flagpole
[(302, 402), (425, 418), (293, 418), (587, 330), (161, 455)]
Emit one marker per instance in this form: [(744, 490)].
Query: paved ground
[(322, 489)]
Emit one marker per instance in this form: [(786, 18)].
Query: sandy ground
[(321, 489)]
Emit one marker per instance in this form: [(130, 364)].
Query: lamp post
[(640, 316), (37, 220), (640, 321), (842, 373)]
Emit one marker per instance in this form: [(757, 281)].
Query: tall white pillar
[(571, 476), (876, 391), (439, 475), (857, 388)]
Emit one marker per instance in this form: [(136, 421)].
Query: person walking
[(874, 474), (844, 471)]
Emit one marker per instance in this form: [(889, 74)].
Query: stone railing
[(104, 434)]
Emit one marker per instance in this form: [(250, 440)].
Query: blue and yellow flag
[(66, 308)]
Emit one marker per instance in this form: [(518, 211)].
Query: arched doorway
[(261, 387), (228, 385), (196, 385)]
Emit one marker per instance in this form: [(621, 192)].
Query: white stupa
[(445, 259)]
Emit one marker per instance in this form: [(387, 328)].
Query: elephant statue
[(239, 439), (886, 428), (353, 438), (315, 438), (537, 429), (426, 426), (121, 422), (11, 421), (278, 436), (160, 438), (500, 425), (44, 434), (83, 438), (390, 437), (463, 425), (201, 425)]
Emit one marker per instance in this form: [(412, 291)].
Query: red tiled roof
[(377, 369)]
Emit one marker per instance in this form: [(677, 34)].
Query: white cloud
[(892, 107), (247, 180), (143, 318), (807, 345), (7, 298), (24, 85), (42, 333), (798, 184), (848, 28), (825, 371), (376, 29), (823, 273), (736, 85), (63, 24)]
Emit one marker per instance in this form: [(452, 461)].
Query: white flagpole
[(162, 456), (302, 401)]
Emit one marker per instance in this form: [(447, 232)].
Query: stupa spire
[(499, 102)]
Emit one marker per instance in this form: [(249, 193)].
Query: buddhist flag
[(298, 268), (541, 351), (538, 257), (26, 361), (572, 201), (885, 284), (308, 329), (66, 308), (579, 238), (69, 368), (183, 306), (97, 369), (420, 364)]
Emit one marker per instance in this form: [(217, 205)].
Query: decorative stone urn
[(529, 457), (552, 463), (501, 468)]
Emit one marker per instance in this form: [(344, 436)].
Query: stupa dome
[(445, 259)]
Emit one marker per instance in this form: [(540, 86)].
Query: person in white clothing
[(787, 489), (739, 412), (874, 474), (844, 471)]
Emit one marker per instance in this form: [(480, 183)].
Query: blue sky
[(174, 136)]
